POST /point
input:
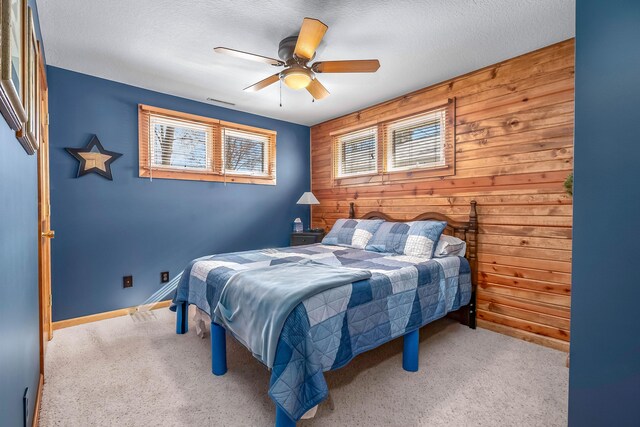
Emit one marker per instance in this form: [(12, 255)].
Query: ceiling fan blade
[(309, 38), (316, 90), (249, 56), (355, 66), (263, 83)]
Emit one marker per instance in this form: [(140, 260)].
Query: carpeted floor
[(138, 372)]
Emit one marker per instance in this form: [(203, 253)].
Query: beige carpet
[(128, 372)]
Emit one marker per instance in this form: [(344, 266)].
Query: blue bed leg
[(410, 351), (282, 419), (182, 318), (218, 350)]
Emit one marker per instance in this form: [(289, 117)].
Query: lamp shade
[(308, 199)]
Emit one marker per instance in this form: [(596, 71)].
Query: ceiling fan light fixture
[(296, 77)]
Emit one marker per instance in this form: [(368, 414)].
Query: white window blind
[(179, 144), (357, 153), (245, 153), (417, 142)]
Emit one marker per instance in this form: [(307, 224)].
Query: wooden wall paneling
[(514, 149)]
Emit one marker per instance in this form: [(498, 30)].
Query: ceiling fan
[(295, 53)]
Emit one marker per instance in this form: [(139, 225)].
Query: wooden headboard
[(465, 230)]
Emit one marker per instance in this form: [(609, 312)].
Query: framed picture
[(12, 20), (29, 134)]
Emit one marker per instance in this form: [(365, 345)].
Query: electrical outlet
[(25, 407), (127, 282), (164, 277)]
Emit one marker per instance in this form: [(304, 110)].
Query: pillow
[(354, 233), (450, 246), (416, 238)]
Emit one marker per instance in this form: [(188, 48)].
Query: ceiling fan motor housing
[(286, 48)]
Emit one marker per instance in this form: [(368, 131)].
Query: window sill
[(206, 176), (395, 177)]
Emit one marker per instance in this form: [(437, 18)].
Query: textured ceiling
[(166, 45)]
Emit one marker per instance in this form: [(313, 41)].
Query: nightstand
[(306, 237)]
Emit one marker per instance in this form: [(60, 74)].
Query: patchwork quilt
[(327, 330)]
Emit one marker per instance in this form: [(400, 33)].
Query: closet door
[(44, 212)]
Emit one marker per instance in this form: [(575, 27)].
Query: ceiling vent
[(220, 101)]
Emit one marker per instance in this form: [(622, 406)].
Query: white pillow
[(450, 246)]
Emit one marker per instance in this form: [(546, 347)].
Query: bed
[(328, 329)]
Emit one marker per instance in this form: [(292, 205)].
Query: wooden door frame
[(44, 259)]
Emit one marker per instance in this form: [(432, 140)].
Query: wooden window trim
[(271, 135), (382, 176), (447, 169), (178, 114), (363, 178), (335, 142), (216, 173)]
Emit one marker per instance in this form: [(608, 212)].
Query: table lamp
[(308, 199)]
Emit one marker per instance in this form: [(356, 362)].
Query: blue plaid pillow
[(417, 238), (354, 233)]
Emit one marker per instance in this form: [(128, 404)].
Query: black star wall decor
[(94, 158)]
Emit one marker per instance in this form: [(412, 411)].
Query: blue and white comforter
[(327, 330)]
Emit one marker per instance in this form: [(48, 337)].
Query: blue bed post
[(218, 349), (410, 351), (182, 318), (282, 419)]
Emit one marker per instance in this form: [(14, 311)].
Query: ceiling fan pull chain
[(280, 93)]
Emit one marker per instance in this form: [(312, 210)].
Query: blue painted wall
[(604, 384), (19, 309), (19, 312), (108, 229)]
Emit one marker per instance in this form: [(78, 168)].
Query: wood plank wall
[(514, 149)]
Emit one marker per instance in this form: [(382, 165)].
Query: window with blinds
[(245, 152), (357, 153), (400, 148), (180, 144), (416, 142), (175, 145)]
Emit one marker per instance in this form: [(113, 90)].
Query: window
[(179, 144), (357, 153), (399, 148), (245, 153), (416, 142), (176, 145)]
